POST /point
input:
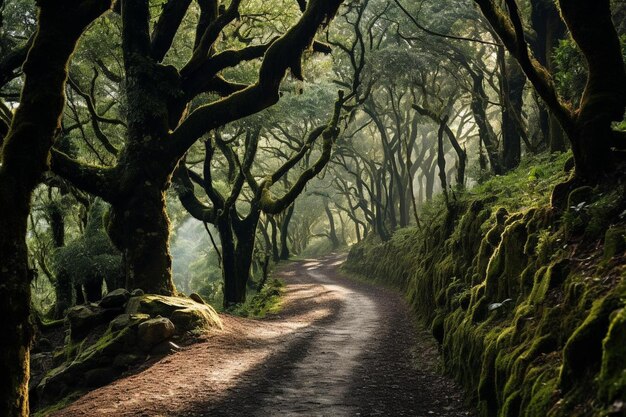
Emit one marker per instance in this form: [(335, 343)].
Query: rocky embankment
[(103, 340)]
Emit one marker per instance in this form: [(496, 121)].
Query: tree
[(238, 232), (589, 127), (162, 123), (25, 156)]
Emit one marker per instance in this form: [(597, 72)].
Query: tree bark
[(550, 29), (237, 237), (139, 228), (512, 96), (25, 157), (332, 231), (284, 233)]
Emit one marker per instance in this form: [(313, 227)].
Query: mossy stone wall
[(530, 317)]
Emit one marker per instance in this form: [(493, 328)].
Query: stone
[(115, 299), (126, 320), (197, 298), (190, 319), (165, 348), (137, 292), (99, 377), (164, 306), (125, 360), (84, 318), (154, 331)]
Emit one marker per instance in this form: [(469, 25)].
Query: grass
[(267, 301)]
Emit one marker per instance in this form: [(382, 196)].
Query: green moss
[(160, 305), (583, 352), (558, 348), (612, 378), (614, 242), (268, 301), (59, 405)]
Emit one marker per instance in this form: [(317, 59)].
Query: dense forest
[(174, 171)]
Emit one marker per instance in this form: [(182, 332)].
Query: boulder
[(126, 320), (115, 299), (84, 318), (191, 319), (185, 313), (154, 331), (137, 292), (197, 298), (98, 355), (165, 348)]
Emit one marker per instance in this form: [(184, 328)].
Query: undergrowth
[(267, 301)]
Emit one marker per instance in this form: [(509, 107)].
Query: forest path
[(338, 348)]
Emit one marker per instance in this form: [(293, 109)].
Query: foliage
[(268, 301), (571, 69), (527, 186), (92, 254)]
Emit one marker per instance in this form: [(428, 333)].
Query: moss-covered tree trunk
[(512, 94), (138, 223), (139, 227), (604, 98), (24, 159)]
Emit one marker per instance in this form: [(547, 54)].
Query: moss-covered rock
[(189, 314), (82, 319), (115, 299), (107, 341), (154, 331), (614, 242)]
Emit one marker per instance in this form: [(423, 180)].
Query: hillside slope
[(526, 300)]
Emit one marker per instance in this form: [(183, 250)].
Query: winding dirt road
[(338, 348)]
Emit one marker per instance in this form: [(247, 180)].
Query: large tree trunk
[(24, 160), (139, 227), (237, 237), (604, 98), (14, 298)]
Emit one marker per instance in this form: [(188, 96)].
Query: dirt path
[(338, 348)]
